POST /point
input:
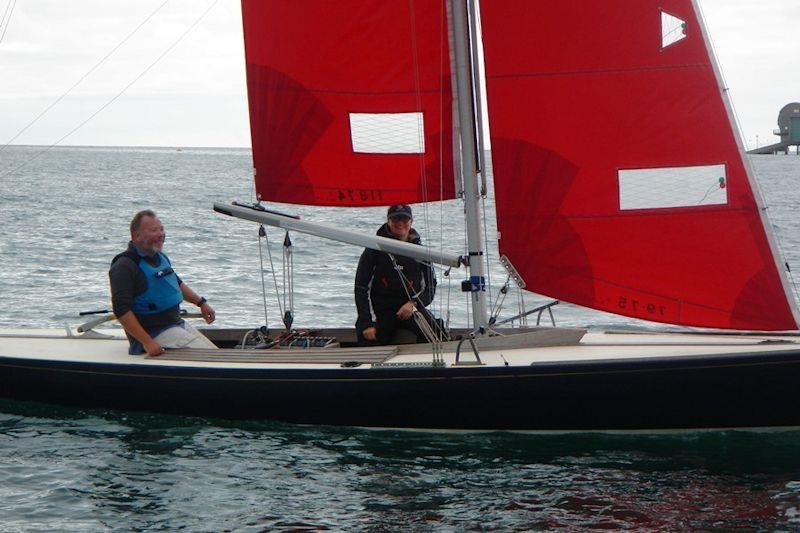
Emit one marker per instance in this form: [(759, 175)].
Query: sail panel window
[(673, 29), (387, 133), (661, 188)]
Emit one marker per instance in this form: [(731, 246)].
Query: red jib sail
[(350, 103), (621, 182)]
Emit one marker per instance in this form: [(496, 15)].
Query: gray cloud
[(196, 95)]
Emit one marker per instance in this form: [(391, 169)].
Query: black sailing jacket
[(379, 287)]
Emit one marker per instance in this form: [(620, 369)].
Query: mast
[(466, 91)]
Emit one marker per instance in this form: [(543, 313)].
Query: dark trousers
[(387, 325)]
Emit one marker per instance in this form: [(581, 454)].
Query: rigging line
[(420, 120), (3, 20), (95, 67), (479, 130), (263, 283), (447, 274), (790, 275), (274, 277), (468, 295), (750, 169), (781, 252), (445, 37), (486, 246), (523, 321), (496, 306), (288, 274), (442, 36), (284, 268), (291, 282), (115, 97), (421, 129), (475, 41), (406, 283), (10, 12)]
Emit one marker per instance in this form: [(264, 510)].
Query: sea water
[(64, 214)]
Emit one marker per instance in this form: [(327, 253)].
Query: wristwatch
[(201, 301)]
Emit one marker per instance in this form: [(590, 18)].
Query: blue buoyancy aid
[(163, 291)]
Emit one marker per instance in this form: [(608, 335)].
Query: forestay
[(621, 181)]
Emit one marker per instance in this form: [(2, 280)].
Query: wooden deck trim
[(332, 356)]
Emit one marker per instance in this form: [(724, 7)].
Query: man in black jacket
[(387, 292)]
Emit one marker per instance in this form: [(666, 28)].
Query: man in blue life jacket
[(146, 293)]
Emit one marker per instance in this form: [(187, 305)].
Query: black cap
[(399, 210)]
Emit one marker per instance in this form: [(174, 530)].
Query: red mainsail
[(620, 180), (350, 102)]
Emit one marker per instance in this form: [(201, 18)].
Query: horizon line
[(171, 146)]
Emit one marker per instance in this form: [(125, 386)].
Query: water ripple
[(65, 469)]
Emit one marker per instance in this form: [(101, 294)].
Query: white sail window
[(387, 133), (658, 188), (673, 29)]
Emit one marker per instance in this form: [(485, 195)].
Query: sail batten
[(620, 181)]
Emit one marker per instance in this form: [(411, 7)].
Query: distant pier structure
[(788, 130)]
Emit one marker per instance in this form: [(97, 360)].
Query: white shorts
[(183, 336)]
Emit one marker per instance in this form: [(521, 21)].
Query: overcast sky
[(195, 95)]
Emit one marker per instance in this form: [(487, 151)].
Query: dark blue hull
[(723, 391)]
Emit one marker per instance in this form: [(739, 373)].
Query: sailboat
[(621, 185)]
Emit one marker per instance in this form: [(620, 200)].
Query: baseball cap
[(399, 210)]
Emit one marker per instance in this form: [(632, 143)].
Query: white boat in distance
[(621, 184)]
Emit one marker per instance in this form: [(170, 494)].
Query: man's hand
[(135, 329), (370, 333), (208, 313), (406, 311), (153, 348)]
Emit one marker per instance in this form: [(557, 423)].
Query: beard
[(151, 247)]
